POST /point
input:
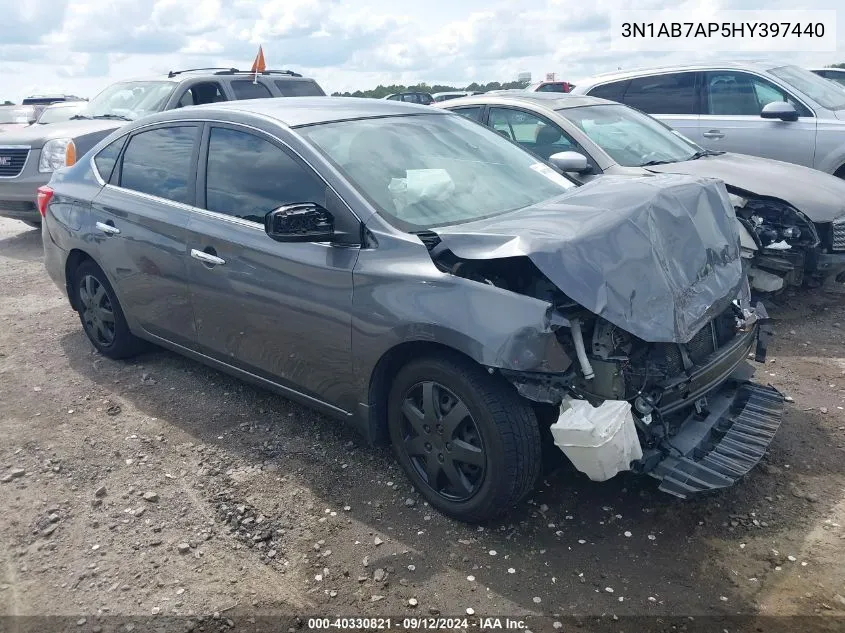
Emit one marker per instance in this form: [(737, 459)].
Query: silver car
[(774, 111), (794, 216)]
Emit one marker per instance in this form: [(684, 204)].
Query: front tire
[(101, 315), (467, 441)]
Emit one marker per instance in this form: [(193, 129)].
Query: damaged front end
[(700, 423), (788, 248), (652, 321)]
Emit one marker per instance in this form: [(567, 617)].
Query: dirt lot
[(158, 488)]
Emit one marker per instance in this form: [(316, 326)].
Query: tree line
[(380, 91)]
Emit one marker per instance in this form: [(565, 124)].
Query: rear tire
[(101, 315), (467, 441)]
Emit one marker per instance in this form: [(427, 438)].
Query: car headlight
[(56, 153)]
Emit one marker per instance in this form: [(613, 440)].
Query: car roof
[(550, 100), (297, 111), (635, 72)]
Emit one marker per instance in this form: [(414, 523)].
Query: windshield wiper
[(112, 116), (657, 162), (79, 116), (704, 152)]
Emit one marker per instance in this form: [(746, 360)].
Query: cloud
[(344, 44)]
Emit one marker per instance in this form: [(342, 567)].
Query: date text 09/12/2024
[(417, 623)]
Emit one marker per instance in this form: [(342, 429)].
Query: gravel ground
[(158, 488)]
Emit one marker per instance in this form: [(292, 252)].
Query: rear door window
[(202, 93), (159, 162), (248, 176), (299, 88), (673, 93), (245, 89), (611, 92)]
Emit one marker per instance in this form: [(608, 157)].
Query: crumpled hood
[(36, 135), (657, 256), (820, 196)]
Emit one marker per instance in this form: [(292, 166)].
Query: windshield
[(130, 99), (17, 114), (55, 114), (629, 137), (425, 171), (817, 88)]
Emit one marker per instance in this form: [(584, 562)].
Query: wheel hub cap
[(442, 441)]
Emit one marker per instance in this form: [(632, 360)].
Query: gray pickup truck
[(29, 156)]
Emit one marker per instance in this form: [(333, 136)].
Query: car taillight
[(45, 194), (70, 154)]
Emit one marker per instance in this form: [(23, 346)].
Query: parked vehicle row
[(433, 283), (792, 217), (30, 155)]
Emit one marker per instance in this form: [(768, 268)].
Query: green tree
[(379, 92)]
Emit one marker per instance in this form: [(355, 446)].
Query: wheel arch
[(387, 367), (74, 259)]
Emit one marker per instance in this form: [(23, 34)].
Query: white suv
[(774, 111)]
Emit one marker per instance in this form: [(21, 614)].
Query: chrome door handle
[(206, 258), (713, 134), (108, 229)]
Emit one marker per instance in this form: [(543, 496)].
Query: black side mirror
[(782, 110), (301, 222)]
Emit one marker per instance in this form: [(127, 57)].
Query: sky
[(81, 46)]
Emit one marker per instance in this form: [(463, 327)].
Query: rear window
[(299, 88), (245, 89)]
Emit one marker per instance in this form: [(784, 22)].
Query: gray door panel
[(281, 311), (146, 260)]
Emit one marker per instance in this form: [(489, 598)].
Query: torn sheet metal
[(657, 256)]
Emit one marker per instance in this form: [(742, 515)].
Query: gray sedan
[(419, 276), (794, 216)]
